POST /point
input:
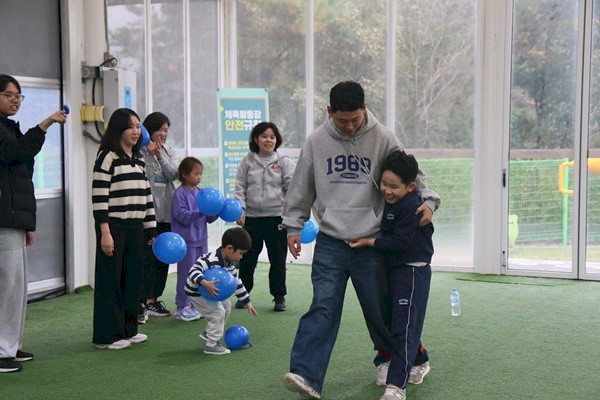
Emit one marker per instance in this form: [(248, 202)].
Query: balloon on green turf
[(236, 336)]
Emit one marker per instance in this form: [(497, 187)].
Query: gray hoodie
[(161, 174), (262, 188), (338, 176)]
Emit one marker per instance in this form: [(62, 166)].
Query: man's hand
[(427, 214), (294, 245)]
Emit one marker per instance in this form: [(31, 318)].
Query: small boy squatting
[(235, 242)]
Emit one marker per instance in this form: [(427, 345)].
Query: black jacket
[(403, 241), (17, 152)]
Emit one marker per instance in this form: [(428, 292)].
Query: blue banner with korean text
[(240, 109)]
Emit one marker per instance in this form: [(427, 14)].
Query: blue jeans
[(333, 263)]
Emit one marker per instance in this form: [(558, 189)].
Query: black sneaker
[(157, 309), (9, 365), (279, 304), (23, 356), (239, 304)]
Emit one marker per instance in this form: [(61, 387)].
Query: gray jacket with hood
[(261, 188), (337, 177)]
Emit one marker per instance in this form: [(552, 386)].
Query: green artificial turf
[(536, 339)]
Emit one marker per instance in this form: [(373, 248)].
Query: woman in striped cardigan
[(124, 219)]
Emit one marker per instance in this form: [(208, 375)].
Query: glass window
[(125, 31), (39, 103), (542, 133), (204, 74), (435, 84), (350, 44), (271, 54)]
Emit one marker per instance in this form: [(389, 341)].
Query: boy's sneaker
[(296, 383), (418, 372), (216, 350), (118, 345), (203, 336), (382, 372), (239, 304), (157, 309), (142, 317), (10, 365), (279, 304), (393, 393), (187, 314), (137, 338), (23, 356)]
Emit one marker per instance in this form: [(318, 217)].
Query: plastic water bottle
[(455, 303)]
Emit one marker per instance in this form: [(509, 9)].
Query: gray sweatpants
[(13, 290), (216, 314)]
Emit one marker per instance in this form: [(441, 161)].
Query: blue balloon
[(66, 109), (145, 136), (309, 232), (169, 247), (232, 210), (209, 201), (236, 336), (226, 285)]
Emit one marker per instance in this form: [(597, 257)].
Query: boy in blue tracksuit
[(408, 249)]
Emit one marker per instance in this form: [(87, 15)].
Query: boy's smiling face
[(392, 187)]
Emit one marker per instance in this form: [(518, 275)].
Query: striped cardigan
[(120, 190), (204, 263)]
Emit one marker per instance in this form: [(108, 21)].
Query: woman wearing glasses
[(17, 218)]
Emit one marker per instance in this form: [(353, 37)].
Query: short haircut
[(238, 238), (258, 130), (347, 96), (187, 165), (153, 122), (5, 80), (403, 165), (118, 123)]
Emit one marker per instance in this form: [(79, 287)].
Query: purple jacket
[(187, 220)]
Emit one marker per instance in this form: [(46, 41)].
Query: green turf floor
[(517, 338)]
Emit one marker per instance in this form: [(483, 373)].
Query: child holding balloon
[(192, 225), (209, 296), (261, 184)]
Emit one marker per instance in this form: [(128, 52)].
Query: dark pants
[(117, 283), (267, 230), (410, 292), (155, 272)]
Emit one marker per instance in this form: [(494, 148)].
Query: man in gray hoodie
[(337, 176)]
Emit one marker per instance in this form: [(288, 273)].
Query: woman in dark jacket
[(17, 218)]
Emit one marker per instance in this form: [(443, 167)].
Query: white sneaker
[(418, 372), (296, 383), (138, 338), (382, 372), (393, 393), (118, 345)]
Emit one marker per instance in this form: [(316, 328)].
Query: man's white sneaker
[(296, 383), (393, 393), (382, 372), (418, 372)]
